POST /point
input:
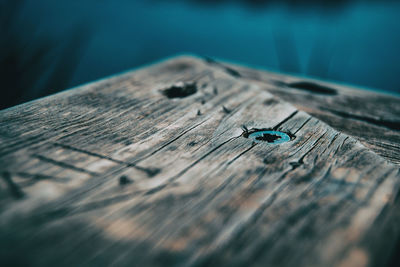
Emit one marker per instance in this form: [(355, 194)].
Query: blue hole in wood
[(269, 136)]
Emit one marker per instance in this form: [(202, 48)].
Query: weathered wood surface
[(152, 168), (370, 117)]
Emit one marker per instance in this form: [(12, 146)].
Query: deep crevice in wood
[(14, 189), (312, 87), (180, 90), (227, 69), (392, 125)]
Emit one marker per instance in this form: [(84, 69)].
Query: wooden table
[(166, 166)]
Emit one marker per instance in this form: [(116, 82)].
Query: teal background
[(351, 42)]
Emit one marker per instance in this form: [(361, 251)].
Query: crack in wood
[(392, 125), (242, 153), (170, 142), (149, 171), (14, 189), (300, 161), (226, 110), (201, 158), (304, 124), (35, 177), (312, 87), (229, 70), (276, 127), (64, 165)]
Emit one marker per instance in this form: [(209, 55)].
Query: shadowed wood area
[(193, 162)]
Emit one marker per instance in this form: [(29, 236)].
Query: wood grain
[(151, 168), (372, 118)]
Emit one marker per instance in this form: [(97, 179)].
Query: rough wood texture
[(370, 117), (152, 168)]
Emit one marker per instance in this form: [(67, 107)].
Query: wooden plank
[(372, 118), (154, 167)]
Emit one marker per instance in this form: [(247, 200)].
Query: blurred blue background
[(48, 45)]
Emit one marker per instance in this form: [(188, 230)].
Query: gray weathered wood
[(372, 118), (152, 168)]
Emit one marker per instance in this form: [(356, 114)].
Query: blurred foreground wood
[(156, 168)]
